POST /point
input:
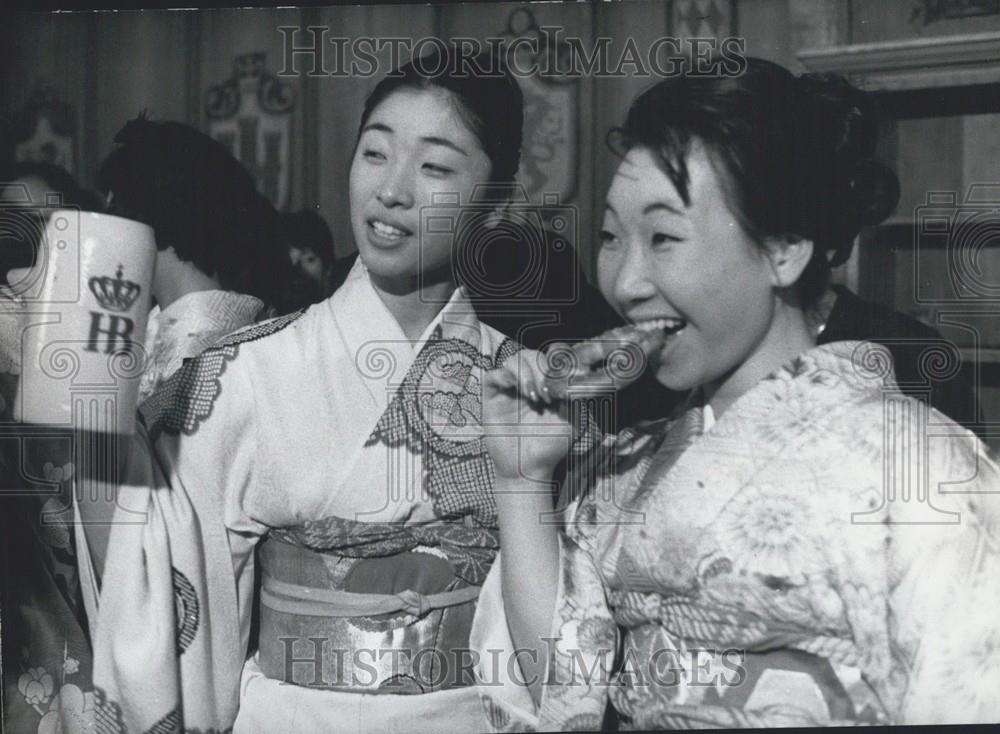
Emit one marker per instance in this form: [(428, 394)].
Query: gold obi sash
[(388, 611)]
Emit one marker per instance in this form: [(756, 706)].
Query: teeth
[(386, 230), (669, 325)]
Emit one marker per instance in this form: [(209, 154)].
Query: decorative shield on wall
[(45, 130), (250, 113), (702, 18), (549, 153)]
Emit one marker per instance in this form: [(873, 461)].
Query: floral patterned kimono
[(827, 552), (46, 660), (352, 461)]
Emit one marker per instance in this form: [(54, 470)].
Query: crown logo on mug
[(114, 294)]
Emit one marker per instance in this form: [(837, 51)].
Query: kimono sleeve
[(580, 651), (170, 620), (946, 559)]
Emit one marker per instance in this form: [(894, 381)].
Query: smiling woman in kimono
[(344, 444), (802, 544)]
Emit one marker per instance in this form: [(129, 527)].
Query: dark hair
[(199, 200), (58, 180), (307, 228), (795, 154), (487, 97)]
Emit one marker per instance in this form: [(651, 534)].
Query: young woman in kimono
[(342, 443), (803, 544)]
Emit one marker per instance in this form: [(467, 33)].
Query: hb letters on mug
[(85, 323)]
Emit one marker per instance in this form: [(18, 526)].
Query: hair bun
[(844, 113), (841, 119), (870, 194), (875, 190)]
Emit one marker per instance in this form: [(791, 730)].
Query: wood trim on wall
[(912, 63)]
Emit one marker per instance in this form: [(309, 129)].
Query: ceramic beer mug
[(85, 323)]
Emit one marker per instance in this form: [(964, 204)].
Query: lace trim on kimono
[(437, 412), (186, 398), (470, 550)]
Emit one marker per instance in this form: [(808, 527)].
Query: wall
[(109, 66)]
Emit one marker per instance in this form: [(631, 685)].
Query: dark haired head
[(795, 154), (485, 93), (307, 229), (199, 200)]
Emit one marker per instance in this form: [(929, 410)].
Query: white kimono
[(363, 452), (189, 326)]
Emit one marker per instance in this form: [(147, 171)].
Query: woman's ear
[(789, 254)]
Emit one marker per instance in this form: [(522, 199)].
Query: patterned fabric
[(268, 432), (107, 714), (47, 660), (185, 399), (46, 656), (189, 326), (409, 613), (188, 615), (780, 570), (437, 411), (470, 550)]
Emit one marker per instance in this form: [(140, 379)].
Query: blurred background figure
[(311, 259), (29, 193), (219, 240), (45, 630)]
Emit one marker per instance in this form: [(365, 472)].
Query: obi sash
[(680, 654), (388, 612)]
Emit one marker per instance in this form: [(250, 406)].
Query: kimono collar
[(208, 309), (824, 377), (372, 335), (194, 322)]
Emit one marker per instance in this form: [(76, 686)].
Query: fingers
[(531, 378), (500, 379), (523, 375), (606, 363), (599, 365), (591, 353)]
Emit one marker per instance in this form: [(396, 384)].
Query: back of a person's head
[(307, 229), (199, 201)]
